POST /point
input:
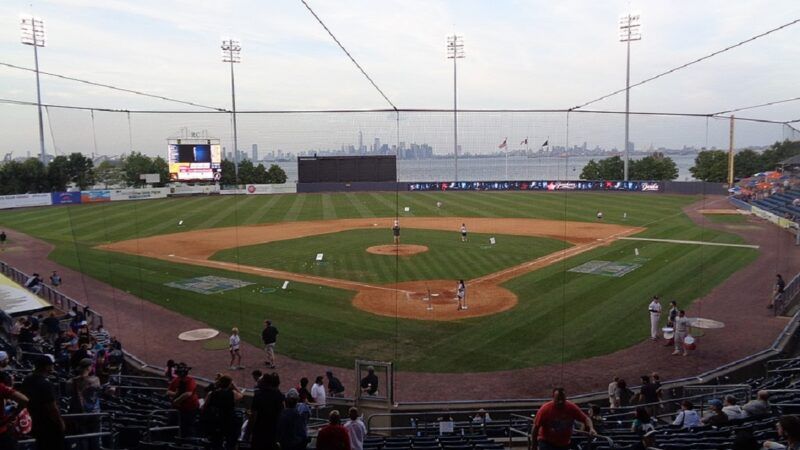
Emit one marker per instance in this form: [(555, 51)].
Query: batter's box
[(606, 268), (208, 285)]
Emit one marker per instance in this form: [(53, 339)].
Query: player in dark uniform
[(396, 231)]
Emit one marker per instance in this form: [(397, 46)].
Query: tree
[(653, 167), (746, 163), (81, 170), (134, 165), (710, 165), (58, 174), (276, 175), (228, 177), (260, 176), (29, 176), (246, 172), (108, 174), (161, 167), (778, 152), (591, 171)]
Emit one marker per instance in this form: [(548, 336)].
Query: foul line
[(678, 241)]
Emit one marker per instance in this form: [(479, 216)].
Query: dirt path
[(421, 300), (150, 331)]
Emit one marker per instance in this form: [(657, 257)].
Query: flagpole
[(506, 162)]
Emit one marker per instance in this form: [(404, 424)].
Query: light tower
[(32, 29), (231, 54), (629, 30), (455, 51)]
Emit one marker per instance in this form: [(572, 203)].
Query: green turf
[(346, 256), (561, 316), (727, 218)]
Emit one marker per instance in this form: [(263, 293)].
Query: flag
[(545, 143), (525, 142), (504, 144)]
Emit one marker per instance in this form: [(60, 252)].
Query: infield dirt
[(423, 300)]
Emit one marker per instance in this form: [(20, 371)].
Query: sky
[(519, 55)]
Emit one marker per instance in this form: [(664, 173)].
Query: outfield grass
[(596, 314), (346, 255), (727, 218)]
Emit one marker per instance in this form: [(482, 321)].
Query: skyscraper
[(255, 153)]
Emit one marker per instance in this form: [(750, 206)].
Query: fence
[(784, 300), (53, 296)]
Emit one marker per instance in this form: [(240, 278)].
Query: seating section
[(781, 204)]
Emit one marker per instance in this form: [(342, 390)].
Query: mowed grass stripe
[(297, 206), (260, 211), (389, 203), (359, 205)]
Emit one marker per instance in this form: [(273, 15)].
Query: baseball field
[(555, 285)]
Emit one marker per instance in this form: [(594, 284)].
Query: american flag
[(504, 144)]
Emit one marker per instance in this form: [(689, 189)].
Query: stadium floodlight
[(629, 31), (231, 50), (455, 51), (32, 33)]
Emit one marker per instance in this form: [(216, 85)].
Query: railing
[(426, 421), (790, 292), (53, 296)]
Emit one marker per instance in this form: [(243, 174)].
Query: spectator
[(184, 398), (745, 440), (264, 412), (647, 442), (34, 283), (85, 391), (7, 415), (788, 428), (759, 406), (595, 414), (291, 431), (101, 335), (256, 375), (4, 360), (369, 384), (101, 368), (318, 393), (613, 398), (682, 329), (3, 238), (642, 423), (55, 279), (552, 426), (219, 415), (51, 326), (269, 336), (234, 343), (648, 394), (48, 426), (688, 417), (333, 436), (623, 393), (482, 418), (672, 315), (335, 387), (169, 372), (731, 409), (303, 392), (715, 417), (356, 430)]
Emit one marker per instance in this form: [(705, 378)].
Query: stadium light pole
[(628, 31), (231, 54), (32, 29), (455, 51)]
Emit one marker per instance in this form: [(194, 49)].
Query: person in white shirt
[(463, 232), (318, 393), (682, 330), (613, 398), (732, 410), (655, 317), (688, 417), (234, 343), (356, 430)]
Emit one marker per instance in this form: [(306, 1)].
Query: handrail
[(443, 413)]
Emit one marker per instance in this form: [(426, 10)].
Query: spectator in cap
[(715, 416), (265, 409), (184, 398), (84, 391), (369, 384), (335, 387), (291, 432), (223, 426), (356, 430), (333, 436), (759, 406), (48, 426)]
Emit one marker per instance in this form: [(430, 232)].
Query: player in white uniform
[(682, 329), (655, 316), (461, 293), (463, 232), (233, 344)]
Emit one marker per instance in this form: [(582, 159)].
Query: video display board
[(194, 160)]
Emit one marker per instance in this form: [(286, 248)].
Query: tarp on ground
[(15, 299)]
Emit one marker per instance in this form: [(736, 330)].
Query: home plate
[(199, 334)]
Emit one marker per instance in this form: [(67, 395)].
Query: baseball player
[(655, 316), (682, 329), (396, 231), (461, 293), (463, 232)]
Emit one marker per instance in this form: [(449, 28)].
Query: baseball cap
[(292, 393), (715, 403), (3, 356)]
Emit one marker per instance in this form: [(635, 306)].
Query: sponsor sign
[(66, 198), (25, 200), (538, 185), (96, 196), (138, 194)]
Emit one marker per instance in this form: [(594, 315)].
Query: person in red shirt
[(552, 426), (333, 436), (7, 440), (184, 398)]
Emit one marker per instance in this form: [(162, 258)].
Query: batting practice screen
[(312, 169)]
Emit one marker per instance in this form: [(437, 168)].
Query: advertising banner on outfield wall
[(194, 190), (66, 198), (540, 185), (25, 200), (262, 189), (138, 194), (96, 196)]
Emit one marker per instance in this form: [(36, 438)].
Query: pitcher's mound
[(399, 250)]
